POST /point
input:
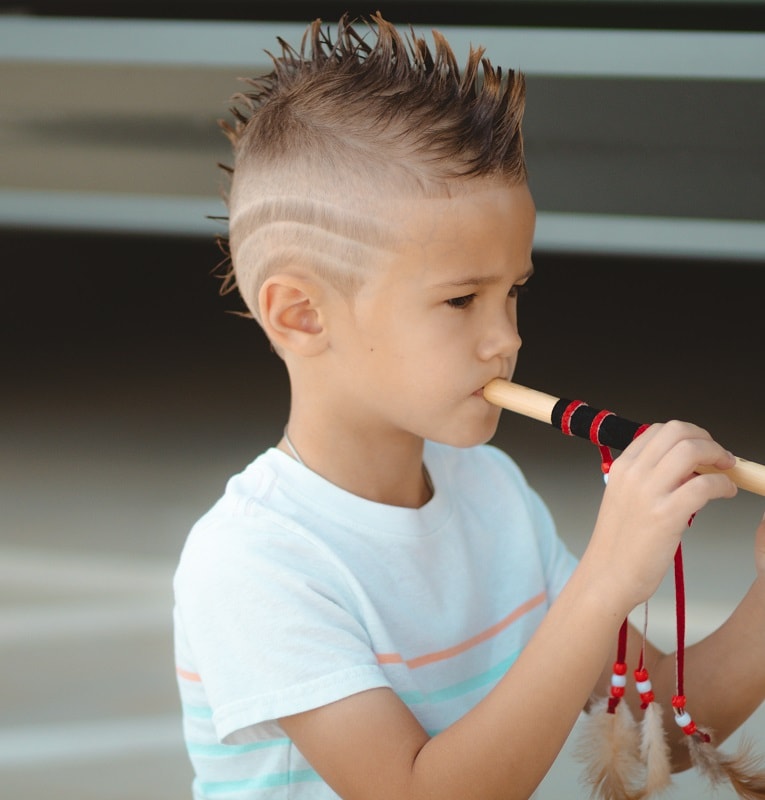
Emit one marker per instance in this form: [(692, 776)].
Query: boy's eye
[(461, 302)]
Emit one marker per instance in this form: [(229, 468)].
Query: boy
[(379, 606)]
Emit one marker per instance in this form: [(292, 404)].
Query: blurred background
[(130, 393)]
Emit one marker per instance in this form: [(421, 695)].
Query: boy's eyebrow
[(483, 280)]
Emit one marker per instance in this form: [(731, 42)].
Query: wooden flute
[(613, 431)]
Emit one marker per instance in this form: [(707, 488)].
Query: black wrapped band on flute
[(614, 431)]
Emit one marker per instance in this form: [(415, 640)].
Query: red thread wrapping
[(565, 421), (606, 459), (595, 426)]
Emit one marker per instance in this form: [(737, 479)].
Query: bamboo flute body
[(540, 406)]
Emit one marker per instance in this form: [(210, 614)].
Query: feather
[(706, 758), (608, 748), (744, 770), (654, 751)]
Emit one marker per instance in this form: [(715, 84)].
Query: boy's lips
[(479, 392)]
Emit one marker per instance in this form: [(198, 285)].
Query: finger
[(639, 444), (684, 458), (661, 439), (698, 490)]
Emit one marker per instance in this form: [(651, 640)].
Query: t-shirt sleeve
[(270, 626)]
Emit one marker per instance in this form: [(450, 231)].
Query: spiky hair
[(344, 116)]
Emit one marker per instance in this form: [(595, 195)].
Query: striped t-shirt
[(292, 593)]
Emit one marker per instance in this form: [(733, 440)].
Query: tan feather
[(706, 758), (654, 751), (744, 770), (608, 747)]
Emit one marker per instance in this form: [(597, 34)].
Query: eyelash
[(461, 303)]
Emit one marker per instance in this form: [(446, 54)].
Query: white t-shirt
[(292, 593)]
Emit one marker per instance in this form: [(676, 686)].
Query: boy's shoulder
[(276, 498), (249, 493), (248, 529)]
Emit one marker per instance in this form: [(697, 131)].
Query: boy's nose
[(502, 340)]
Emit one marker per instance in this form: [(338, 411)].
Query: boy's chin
[(465, 439)]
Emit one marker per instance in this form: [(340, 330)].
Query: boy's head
[(325, 144)]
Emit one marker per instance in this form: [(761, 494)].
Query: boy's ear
[(289, 310)]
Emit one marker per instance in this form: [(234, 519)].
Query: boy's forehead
[(476, 237), (469, 213)]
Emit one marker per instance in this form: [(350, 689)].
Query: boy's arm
[(370, 746)]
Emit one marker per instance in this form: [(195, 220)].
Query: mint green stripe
[(223, 750), (463, 687), (264, 782), (198, 712)]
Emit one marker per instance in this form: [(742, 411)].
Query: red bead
[(617, 691), (648, 697), (678, 701), (690, 728), (619, 668), (641, 675)]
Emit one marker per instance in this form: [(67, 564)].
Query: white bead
[(605, 478), (618, 680), (683, 719), (643, 686)]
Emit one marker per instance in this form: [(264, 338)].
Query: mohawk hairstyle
[(342, 119)]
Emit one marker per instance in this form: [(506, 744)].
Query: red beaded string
[(642, 680), (618, 678), (619, 674), (680, 618), (644, 687), (682, 717)]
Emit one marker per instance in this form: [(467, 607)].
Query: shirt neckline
[(303, 485)]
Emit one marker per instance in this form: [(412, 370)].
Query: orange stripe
[(390, 658), (450, 652), (189, 676)]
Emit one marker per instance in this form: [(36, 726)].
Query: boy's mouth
[(479, 392)]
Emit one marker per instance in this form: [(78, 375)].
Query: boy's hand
[(652, 492)]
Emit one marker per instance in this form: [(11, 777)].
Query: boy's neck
[(391, 475)]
